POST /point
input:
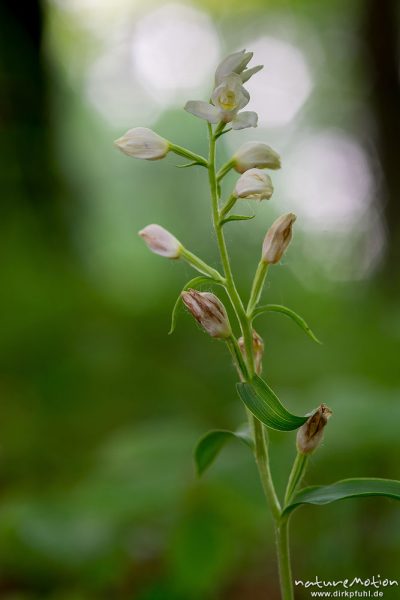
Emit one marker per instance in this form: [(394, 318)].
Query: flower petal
[(203, 110), (234, 63), (250, 72), (247, 118)]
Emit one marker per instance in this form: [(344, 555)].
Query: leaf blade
[(289, 313), (236, 218), (262, 401), (346, 488), (210, 445)]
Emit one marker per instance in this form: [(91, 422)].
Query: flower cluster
[(229, 95)]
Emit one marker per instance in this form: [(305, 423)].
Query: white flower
[(160, 241), (228, 98), (254, 184), (255, 154), (236, 63), (277, 239), (209, 311), (141, 142)]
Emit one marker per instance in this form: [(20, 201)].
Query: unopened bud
[(160, 241), (144, 143), (255, 155), (277, 239), (258, 350), (209, 311), (309, 436), (254, 184)]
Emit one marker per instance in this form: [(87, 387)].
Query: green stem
[(258, 284), (181, 151), (224, 170), (247, 370), (230, 203), (200, 265), (296, 475), (283, 549)]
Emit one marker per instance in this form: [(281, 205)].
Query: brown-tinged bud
[(258, 350), (209, 311), (310, 435), (277, 239)]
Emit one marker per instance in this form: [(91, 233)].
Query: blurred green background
[(100, 408)]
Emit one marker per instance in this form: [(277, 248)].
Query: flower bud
[(310, 435), (255, 154), (277, 239), (254, 184), (160, 241), (209, 311), (144, 143), (258, 350)]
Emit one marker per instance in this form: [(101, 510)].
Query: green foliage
[(289, 313), (266, 406), (347, 488), (211, 444)]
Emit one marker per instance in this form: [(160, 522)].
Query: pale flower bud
[(144, 143), (160, 241), (277, 239), (310, 435), (209, 311), (255, 154), (258, 350), (254, 183)]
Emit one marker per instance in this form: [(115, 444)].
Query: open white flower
[(255, 155), (236, 63), (141, 142), (160, 241), (228, 98), (254, 184)]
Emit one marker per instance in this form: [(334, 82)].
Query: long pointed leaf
[(212, 443), (347, 488), (266, 406), (190, 284), (237, 218), (289, 313)]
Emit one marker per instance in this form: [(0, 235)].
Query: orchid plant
[(264, 409)]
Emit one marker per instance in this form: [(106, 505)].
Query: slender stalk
[(296, 475), (224, 170), (230, 203), (247, 371), (285, 570), (181, 151), (200, 265), (258, 284)]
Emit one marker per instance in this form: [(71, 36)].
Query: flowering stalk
[(223, 113)]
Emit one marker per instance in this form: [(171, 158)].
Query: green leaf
[(289, 313), (190, 284), (236, 218), (212, 443), (266, 406), (347, 488), (189, 164)]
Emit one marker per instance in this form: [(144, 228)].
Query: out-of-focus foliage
[(101, 409)]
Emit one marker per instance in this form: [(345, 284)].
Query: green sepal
[(236, 218), (266, 406), (289, 313), (190, 284), (346, 488), (211, 444)]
